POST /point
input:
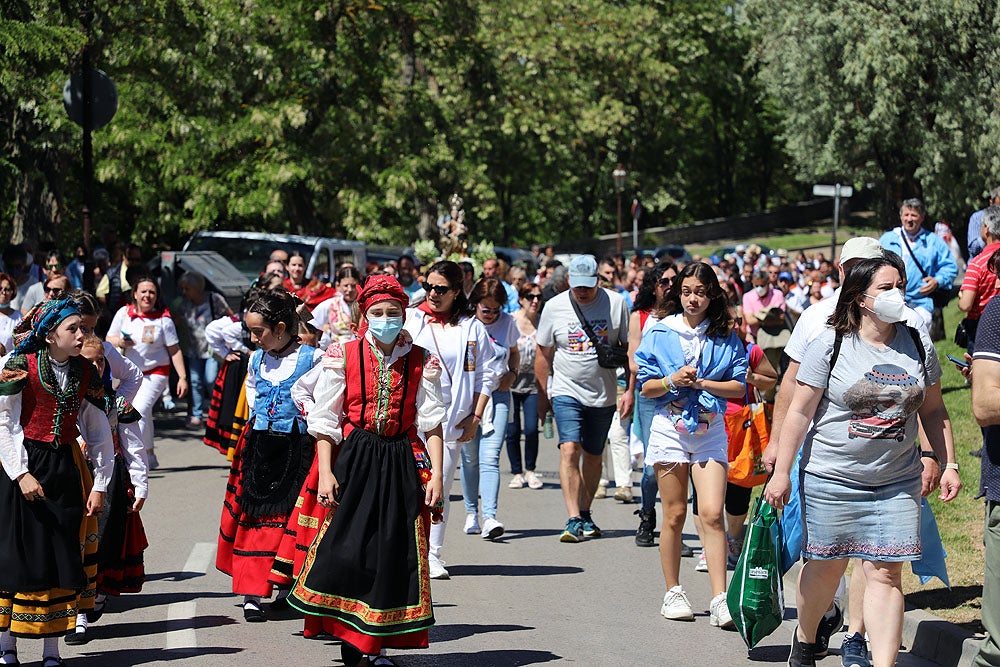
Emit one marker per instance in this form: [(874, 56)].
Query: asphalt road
[(525, 599)]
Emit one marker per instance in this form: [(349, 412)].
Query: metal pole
[(619, 221), (836, 221), (635, 233), (88, 126)]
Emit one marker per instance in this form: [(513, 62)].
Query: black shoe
[(100, 607), (802, 654), (686, 551), (53, 661), (280, 603), (647, 524), (826, 628), (77, 637), (253, 614)]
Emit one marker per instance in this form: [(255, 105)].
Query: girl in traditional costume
[(273, 454), (366, 572), (49, 501)]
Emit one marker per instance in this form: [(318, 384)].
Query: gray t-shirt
[(865, 426), (575, 371)]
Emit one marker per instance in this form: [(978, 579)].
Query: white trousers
[(617, 456), (452, 455), (149, 392)]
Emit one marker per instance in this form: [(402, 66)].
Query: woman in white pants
[(442, 326), (146, 334)]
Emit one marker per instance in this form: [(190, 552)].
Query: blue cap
[(714, 259), (583, 271), (785, 275)]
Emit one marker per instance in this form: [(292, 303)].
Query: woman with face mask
[(9, 315), (864, 381), (365, 510)]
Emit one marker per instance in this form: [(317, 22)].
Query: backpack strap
[(837, 342)]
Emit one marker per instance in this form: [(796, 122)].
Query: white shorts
[(668, 445)]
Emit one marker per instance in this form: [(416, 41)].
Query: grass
[(817, 238)]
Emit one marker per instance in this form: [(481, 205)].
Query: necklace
[(281, 352)]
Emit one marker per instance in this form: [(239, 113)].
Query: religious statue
[(453, 230)]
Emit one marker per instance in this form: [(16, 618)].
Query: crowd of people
[(346, 407)]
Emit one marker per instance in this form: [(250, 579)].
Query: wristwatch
[(929, 455), (951, 466)]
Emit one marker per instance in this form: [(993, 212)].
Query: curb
[(925, 635), (938, 640)]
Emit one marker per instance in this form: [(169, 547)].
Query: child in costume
[(366, 573), (50, 502)]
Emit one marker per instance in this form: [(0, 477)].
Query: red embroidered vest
[(382, 401), (39, 407)]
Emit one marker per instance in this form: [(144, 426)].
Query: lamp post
[(618, 176)]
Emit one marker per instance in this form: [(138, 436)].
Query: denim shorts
[(579, 423)]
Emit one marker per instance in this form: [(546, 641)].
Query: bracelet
[(951, 466), (477, 417), (668, 381), (929, 455)]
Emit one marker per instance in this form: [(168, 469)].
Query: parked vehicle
[(765, 251), (678, 253), (249, 251), (220, 275)]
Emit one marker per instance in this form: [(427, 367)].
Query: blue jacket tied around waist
[(660, 355)]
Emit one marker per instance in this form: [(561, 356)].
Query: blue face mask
[(385, 329)]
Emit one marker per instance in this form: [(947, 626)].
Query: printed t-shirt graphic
[(880, 402)]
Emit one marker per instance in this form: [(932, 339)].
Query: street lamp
[(618, 176)]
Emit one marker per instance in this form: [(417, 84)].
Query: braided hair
[(277, 305)]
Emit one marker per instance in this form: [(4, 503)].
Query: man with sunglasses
[(54, 267), (582, 394)]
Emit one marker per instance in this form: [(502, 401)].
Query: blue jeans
[(644, 410), (528, 405), (201, 373), (481, 460)]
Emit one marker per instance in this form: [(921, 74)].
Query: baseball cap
[(860, 247), (583, 271), (785, 275)]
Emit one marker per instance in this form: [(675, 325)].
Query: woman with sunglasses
[(481, 455), (524, 393), (38, 292), (650, 307), (9, 315), (441, 326)]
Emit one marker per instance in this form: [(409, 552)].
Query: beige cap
[(860, 247)]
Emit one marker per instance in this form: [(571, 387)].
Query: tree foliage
[(354, 118), (895, 92)]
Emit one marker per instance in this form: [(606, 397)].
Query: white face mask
[(888, 306), (761, 290)]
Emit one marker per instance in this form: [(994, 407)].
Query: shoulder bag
[(614, 355)]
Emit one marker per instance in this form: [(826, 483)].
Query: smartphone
[(126, 336), (957, 362)]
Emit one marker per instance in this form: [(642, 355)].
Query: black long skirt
[(368, 566), (40, 539)]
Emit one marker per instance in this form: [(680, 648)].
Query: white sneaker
[(676, 606), (492, 528), (718, 613), (436, 568), (471, 524), (702, 565), (533, 480)]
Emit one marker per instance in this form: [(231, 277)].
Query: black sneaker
[(802, 654), (854, 651), (826, 628), (687, 551), (647, 524)]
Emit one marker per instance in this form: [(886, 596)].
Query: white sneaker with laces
[(702, 565), (718, 613), (471, 524), (436, 568), (676, 606), (492, 529)]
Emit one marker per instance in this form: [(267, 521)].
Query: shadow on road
[(456, 631), (114, 630), (497, 658), (512, 570), (769, 653), (127, 657)]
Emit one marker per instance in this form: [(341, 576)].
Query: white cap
[(860, 247)]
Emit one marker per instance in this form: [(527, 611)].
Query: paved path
[(526, 599)]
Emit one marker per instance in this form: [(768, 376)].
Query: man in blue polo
[(929, 263), (582, 394)]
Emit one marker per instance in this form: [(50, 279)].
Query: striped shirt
[(980, 280)]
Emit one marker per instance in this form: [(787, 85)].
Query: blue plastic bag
[(791, 523)]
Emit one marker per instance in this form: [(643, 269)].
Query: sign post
[(838, 192)]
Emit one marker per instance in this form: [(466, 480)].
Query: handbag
[(962, 335), (614, 355), (749, 432), (755, 597)]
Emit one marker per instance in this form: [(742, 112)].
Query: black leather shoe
[(78, 637), (253, 614), (95, 614)]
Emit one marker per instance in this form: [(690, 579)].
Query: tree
[(895, 92)]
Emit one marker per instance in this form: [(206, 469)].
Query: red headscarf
[(381, 288)]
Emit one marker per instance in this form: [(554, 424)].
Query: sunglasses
[(53, 266), (440, 290), (54, 291), (666, 282), (489, 311), (531, 297)]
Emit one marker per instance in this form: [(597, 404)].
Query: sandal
[(9, 652)]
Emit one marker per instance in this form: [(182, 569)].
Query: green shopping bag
[(756, 597)]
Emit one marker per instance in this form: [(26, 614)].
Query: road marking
[(201, 557), (181, 638)]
